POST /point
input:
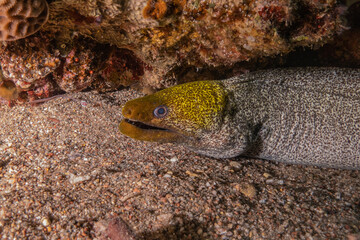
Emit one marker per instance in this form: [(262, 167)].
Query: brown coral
[(158, 9), (21, 18)]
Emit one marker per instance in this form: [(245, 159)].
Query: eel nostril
[(127, 112)]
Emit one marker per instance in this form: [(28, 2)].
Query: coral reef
[(158, 9), (122, 68), (28, 59), (166, 34), (75, 72), (21, 18), (43, 88), (151, 44), (344, 49)]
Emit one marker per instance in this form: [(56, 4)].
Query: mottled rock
[(168, 35), (247, 189), (113, 229), (76, 71), (20, 18), (28, 60)]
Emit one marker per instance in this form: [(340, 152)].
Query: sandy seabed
[(64, 167)]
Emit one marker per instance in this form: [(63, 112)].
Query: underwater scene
[(180, 119)]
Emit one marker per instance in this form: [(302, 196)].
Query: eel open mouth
[(141, 131), (143, 125)]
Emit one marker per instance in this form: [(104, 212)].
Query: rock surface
[(157, 43), (168, 34)]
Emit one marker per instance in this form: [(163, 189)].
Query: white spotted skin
[(307, 116)]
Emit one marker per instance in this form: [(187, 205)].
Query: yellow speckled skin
[(196, 103), (195, 106), (302, 116)]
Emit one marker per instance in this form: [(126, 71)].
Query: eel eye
[(160, 111)]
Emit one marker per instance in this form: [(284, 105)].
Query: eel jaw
[(142, 125), (141, 131)]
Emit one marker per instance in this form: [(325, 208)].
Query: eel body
[(307, 116)]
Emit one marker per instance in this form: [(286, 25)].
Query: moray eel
[(307, 116)]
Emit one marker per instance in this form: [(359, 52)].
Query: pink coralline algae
[(76, 70), (122, 68), (43, 88), (40, 68), (27, 60)]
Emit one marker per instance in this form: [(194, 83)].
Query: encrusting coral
[(150, 43), (21, 18), (75, 72), (169, 34), (28, 60)]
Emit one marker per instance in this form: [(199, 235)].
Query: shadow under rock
[(179, 228)]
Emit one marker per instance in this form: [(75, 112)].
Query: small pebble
[(45, 221), (247, 189), (262, 201), (191, 174), (174, 159), (235, 164), (164, 217), (273, 181), (267, 175), (76, 179)]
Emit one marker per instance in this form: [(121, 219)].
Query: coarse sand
[(64, 167)]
